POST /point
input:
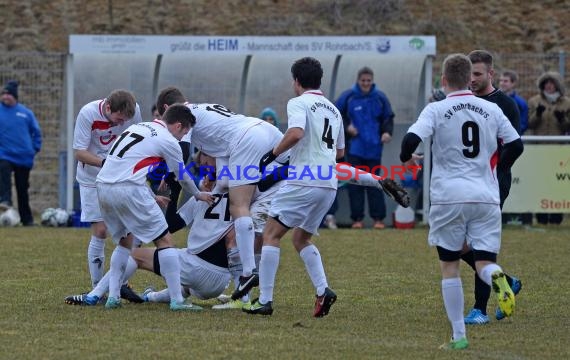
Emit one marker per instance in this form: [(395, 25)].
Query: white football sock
[(244, 239), (170, 270), (452, 291), (119, 260), (314, 265), (487, 271), (129, 270), (161, 296), (96, 259), (102, 286), (267, 271)]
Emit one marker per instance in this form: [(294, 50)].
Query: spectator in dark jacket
[(549, 114), (369, 122), (20, 141)]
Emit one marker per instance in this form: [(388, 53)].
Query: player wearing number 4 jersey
[(128, 205), (464, 190), (316, 139)]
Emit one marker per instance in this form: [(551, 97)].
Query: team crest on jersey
[(107, 139)]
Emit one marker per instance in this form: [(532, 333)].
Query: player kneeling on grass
[(464, 190)]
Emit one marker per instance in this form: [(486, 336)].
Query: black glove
[(539, 110), (559, 116), (266, 159)]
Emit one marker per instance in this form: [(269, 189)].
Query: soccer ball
[(9, 217), (55, 217)]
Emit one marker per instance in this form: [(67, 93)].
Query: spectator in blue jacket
[(368, 122), (507, 83), (20, 141)]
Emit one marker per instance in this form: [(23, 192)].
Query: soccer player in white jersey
[(204, 265), (128, 206), (221, 133), (464, 191), (98, 124), (315, 138)]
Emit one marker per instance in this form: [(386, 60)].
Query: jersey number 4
[(470, 137), (327, 134), (136, 138)]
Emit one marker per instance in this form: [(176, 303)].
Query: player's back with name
[(465, 131)]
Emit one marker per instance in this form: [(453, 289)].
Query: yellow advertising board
[(541, 180)]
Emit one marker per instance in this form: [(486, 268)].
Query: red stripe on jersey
[(494, 160), (159, 122), (314, 92), (461, 94), (100, 125), (147, 162)]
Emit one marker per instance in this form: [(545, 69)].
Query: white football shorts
[(205, 280), (259, 209), (244, 158), (90, 211), (130, 208), (477, 223), (302, 206)]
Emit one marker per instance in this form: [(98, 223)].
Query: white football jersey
[(140, 146), (313, 158), (209, 223), (465, 131), (94, 133), (218, 129)]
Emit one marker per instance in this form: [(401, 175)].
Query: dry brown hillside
[(504, 26)]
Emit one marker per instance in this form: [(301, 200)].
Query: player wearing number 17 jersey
[(464, 191), (128, 205), (316, 138)]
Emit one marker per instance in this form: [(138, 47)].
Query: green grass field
[(389, 304)]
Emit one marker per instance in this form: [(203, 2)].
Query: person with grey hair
[(549, 114)]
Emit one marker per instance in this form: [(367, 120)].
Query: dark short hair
[(179, 113), (511, 74), (365, 70), (457, 70), (123, 102), (481, 56), (168, 96), (308, 72)]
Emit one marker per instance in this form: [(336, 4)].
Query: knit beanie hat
[(11, 88), (270, 112)]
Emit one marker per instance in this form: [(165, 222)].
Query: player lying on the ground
[(204, 267)]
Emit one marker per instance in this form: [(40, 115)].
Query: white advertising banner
[(541, 180), (157, 44)]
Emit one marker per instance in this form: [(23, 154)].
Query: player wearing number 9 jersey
[(128, 205), (464, 192)]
